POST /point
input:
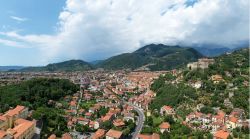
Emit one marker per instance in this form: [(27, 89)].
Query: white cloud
[(19, 19), (97, 29)]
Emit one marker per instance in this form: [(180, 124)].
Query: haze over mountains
[(152, 57)]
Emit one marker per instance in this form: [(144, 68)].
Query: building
[(66, 136), (100, 133), (221, 134), (164, 127), (167, 110), (23, 129), (13, 114), (202, 63), (216, 78), (53, 136), (14, 125), (143, 136), (113, 134)]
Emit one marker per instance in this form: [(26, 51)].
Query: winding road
[(140, 121)]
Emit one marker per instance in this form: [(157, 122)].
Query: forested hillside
[(177, 91)]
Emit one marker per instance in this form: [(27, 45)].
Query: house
[(107, 117), (73, 105), (66, 136), (94, 124), (100, 133), (53, 136), (220, 117), (22, 129), (232, 122), (70, 124), (164, 127), (113, 134), (143, 136), (167, 110), (82, 121), (13, 114), (221, 134), (197, 84), (118, 123), (88, 115), (216, 78), (216, 126)]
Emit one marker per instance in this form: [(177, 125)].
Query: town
[(116, 105)]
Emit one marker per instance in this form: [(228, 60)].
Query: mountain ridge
[(150, 57), (70, 65), (157, 56)]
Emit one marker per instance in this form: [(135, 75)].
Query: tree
[(106, 125), (207, 109), (169, 119), (149, 121)]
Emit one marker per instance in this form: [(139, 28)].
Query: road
[(38, 129), (140, 121)]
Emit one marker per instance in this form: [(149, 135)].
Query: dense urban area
[(207, 98)]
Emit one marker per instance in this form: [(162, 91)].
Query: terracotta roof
[(88, 114), (233, 119), (106, 118), (118, 122), (53, 136), (73, 103), (3, 118), (99, 134), (15, 111), (22, 126), (153, 136), (167, 107), (114, 133), (142, 136), (221, 134), (2, 134), (66, 136), (165, 125)]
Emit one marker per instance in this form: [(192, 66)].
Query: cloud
[(12, 43), (19, 19), (98, 29)]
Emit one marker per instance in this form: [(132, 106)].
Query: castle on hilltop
[(202, 63)]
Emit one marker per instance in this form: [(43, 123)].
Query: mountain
[(154, 57), (7, 68), (71, 65), (95, 62), (211, 52)]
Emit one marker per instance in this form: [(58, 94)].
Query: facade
[(167, 110), (202, 63), (14, 125)]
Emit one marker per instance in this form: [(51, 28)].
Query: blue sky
[(39, 17), (38, 32)]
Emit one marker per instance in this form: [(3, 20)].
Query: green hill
[(71, 65), (233, 68), (155, 57)]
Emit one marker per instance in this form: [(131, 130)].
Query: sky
[(38, 32)]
